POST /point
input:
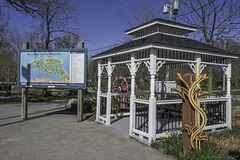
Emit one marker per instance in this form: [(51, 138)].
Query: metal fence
[(168, 117), (120, 103), (141, 117), (215, 111), (103, 106)]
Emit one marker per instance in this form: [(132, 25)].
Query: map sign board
[(65, 68)]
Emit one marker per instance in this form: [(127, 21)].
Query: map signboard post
[(52, 68)]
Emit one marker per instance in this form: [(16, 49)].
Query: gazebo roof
[(167, 41), (162, 22)]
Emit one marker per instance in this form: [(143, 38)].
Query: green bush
[(89, 106)]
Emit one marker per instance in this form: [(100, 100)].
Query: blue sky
[(102, 21)]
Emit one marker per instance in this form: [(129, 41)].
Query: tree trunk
[(210, 78)]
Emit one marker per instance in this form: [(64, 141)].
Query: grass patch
[(43, 98), (171, 145), (209, 150)]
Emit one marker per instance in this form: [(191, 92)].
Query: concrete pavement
[(53, 133)]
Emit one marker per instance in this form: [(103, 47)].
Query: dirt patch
[(229, 140)]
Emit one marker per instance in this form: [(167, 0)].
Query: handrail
[(214, 99), (170, 101), (142, 101)]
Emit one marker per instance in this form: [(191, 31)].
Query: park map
[(49, 66)]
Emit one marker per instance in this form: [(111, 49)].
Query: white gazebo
[(159, 44)]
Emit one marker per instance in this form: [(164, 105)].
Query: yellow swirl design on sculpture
[(194, 93)]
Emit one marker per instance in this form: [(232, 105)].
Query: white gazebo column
[(229, 103), (100, 69), (197, 73), (152, 98), (133, 67), (109, 68)]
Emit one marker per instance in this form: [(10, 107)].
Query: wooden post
[(188, 115), (80, 96), (24, 108)]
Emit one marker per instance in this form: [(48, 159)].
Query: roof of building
[(169, 40), (164, 22)]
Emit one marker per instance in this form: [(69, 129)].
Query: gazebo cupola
[(161, 47), (160, 26)]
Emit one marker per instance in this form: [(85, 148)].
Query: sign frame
[(84, 50)]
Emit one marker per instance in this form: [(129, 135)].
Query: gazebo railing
[(215, 109), (103, 107), (168, 112), (141, 119), (120, 104), (168, 115)]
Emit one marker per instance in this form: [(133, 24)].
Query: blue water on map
[(36, 74)]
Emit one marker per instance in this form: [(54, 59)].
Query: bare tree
[(57, 18), (35, 38), (142, 15), (68, 41), (214, 18), (3, 28)]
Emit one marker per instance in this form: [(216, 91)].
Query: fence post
[(24, 108), (80, 96)]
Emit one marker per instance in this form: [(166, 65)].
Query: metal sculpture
[(193, 94)]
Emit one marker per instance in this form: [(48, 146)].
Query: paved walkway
[(53, 133)]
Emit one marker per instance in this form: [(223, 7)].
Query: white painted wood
[(171, 101), (198, 63), (202, 100), (161, 46), (217, 126), (120, 114), (141, 101), (140, 132), (175, 60), (103, 95), (229, 102), (133, 70), (152, 98), (109, 68), (182, 36), (161, 23), (216, 64), (98, 92)]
